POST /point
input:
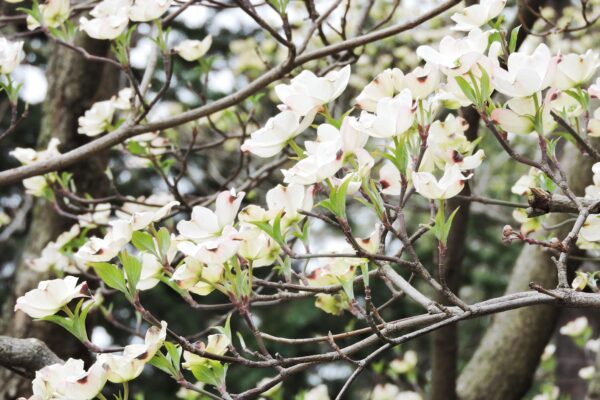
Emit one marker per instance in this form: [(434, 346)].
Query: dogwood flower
[(205, 223), (69, 381), (389, 179), (290, 199), (53, 257), (256, 246), (99, 215), (122, 101), (594, 89), (526, 74), (216, 250), (591, 228), (196, 277), (111, 18), (35, 186), (447, 144), (393, 117), (272, 138), (593, 191), (217, 344), (387, 83), (129, 365), (105, 249), (450, 184), (456, 56), (28, 156), (141, 219), (148, 10), (593, 128), (319, 392), (50, 296), (53, 12), (474, 16), (323, 158), (97, 119), (192, 50), (519, 116), (11, 54), (575, 69), (575, 327), (151, 272), (308, 92), (562, 103), (422, 81)]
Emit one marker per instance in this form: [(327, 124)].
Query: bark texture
[(503, 365), (73, 85)]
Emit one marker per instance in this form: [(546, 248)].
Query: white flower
[(323, 158), (526, 74), (587, 372), (53, 257), (456, 56), (593, 127), (575, 327), (141, 219), (192, 50), (308, 92), (257, 246), (451, 183), (98, 216), (422, 81), (565, 104), (272, 138), (196, 277), (389, 179), (122, 101), (591, 228), (216, 250), (519, 116), (28, 156), (393, 117), (107, 248), (111, 18), (54, 13), (386, 84), (447, 144), (69, 381), (575, 69), (474, 16), (97, 119), (35, 186), (317, 393), (594, 89), (129, 365), (11, 54), (217, 345), (205, 223), (290, 199), (151, 272), (50, 297), (386, 391), (148, 10)]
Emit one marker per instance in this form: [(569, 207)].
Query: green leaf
[(133, 270), (111, 275), (514, 36), (144, 242), (466, 89), (163, 238)]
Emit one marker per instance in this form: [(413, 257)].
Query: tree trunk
[(73, 85), (503, 366)]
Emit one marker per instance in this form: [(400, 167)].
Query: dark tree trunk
[(73, 85)]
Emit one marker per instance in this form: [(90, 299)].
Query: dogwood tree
[(352, 191)]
